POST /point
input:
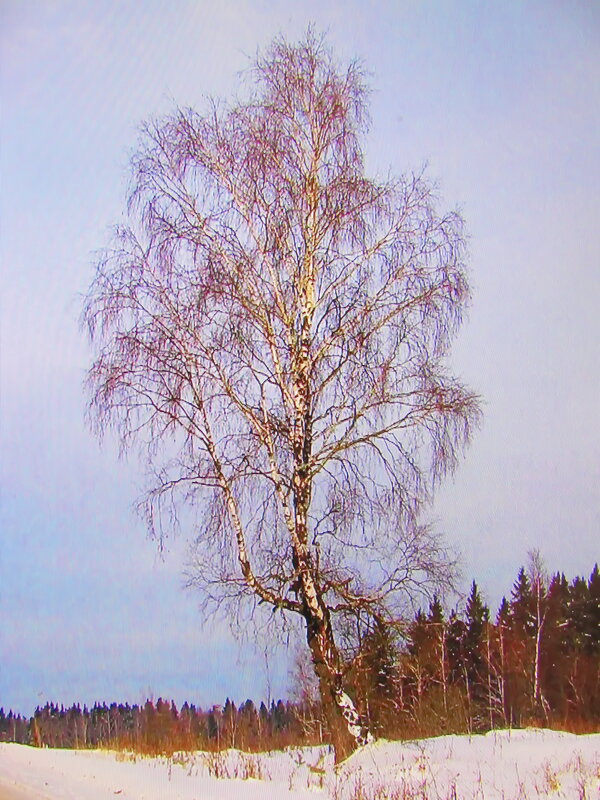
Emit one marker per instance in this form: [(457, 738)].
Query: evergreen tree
[(521, 651), (279, 716), (455, 644), (555, 647), (436, 611), (473, 652), (212, 724), (476, 615), (579, 614), (594, 612), (264, 721), (521, 605), (418, 634), (376, 678), (248, 725)]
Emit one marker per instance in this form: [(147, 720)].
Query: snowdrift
[(517, 764)]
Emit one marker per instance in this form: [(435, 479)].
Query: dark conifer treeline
[(157, 727), (537, 663)]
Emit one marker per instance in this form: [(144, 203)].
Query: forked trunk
[(346, 729)]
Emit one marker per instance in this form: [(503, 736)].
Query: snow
[(501, 764), (350, 715)]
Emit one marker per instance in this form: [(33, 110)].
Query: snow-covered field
[(502, 764)]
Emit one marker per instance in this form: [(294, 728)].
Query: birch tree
[(539, 583), (272, 328)]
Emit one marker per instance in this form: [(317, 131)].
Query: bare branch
[(272, 329)]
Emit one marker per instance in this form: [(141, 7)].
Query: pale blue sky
[(503, 102)]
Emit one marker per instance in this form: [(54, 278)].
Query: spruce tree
[(378, 675), (554, 660), (579, 614), (593, 615), (521, 605), (476, 617), (455, 644), (436, 611)]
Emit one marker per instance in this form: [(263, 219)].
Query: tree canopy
[(272, 328)]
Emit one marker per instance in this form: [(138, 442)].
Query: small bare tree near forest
[(272, 329)]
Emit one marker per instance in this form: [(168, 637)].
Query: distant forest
[(536, 663)]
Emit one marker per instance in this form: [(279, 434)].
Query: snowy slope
[(501, 764)]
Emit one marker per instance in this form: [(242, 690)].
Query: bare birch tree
[(272, 328), (539, 583)]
